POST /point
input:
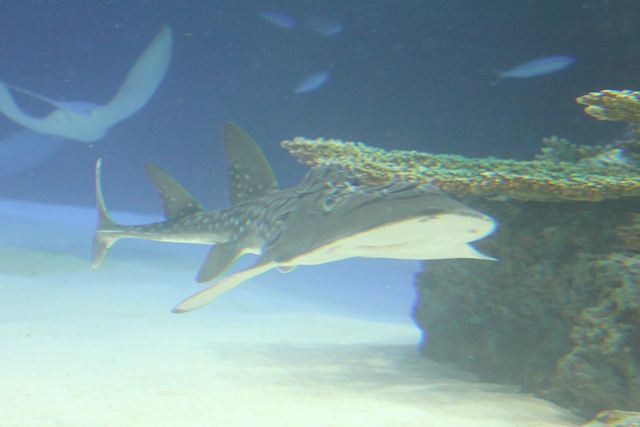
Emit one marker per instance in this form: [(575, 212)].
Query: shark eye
[(329, 202), (336, 194)]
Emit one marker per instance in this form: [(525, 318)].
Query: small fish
[(538, 67), (312, 82), (324, 26), (278, 19)]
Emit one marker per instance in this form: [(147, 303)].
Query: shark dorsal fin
[(250, 175), (176, 201)]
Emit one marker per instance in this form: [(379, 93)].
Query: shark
[(329, 216), (88, 122)]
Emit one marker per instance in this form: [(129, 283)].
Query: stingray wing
[(140, 84), (61, 122), (9, 108)]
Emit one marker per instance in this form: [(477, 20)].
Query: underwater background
[(408, 74), (326, 345)]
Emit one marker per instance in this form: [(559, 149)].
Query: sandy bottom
[(101, 349), (329, 346)]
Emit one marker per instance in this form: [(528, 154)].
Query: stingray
[(87, 122), (24, 150)]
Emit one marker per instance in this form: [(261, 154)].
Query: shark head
[(345, 218), (331, 215)]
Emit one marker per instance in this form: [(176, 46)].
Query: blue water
[(403, 74), (410, 75)]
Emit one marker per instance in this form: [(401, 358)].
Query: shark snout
[(480, 226)]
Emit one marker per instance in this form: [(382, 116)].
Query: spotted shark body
[(328, 216)]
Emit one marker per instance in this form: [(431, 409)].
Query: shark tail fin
[(104, 236)]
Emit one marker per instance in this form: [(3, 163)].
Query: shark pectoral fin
[(141, 82), (219, 258), (209, 294), (473, 253)]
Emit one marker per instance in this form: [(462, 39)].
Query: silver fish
[(538, 67)]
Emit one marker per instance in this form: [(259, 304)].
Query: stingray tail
[(107, 231), (9, 108)]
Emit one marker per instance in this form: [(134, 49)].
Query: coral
[(615, 105), (615, 419), (556, 149), (623, 154), (558, 314), (629, 234), (609, 177), (603, 367), (630, 146)]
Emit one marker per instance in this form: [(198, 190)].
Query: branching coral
[(615, 105), (558, 149), (543, 180), (603, 367), (629, 234), (615, 419)]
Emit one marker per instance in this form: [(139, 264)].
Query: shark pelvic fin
[(473, 253), (104, 238), (250, 175), (176, 200), (219, 258)]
